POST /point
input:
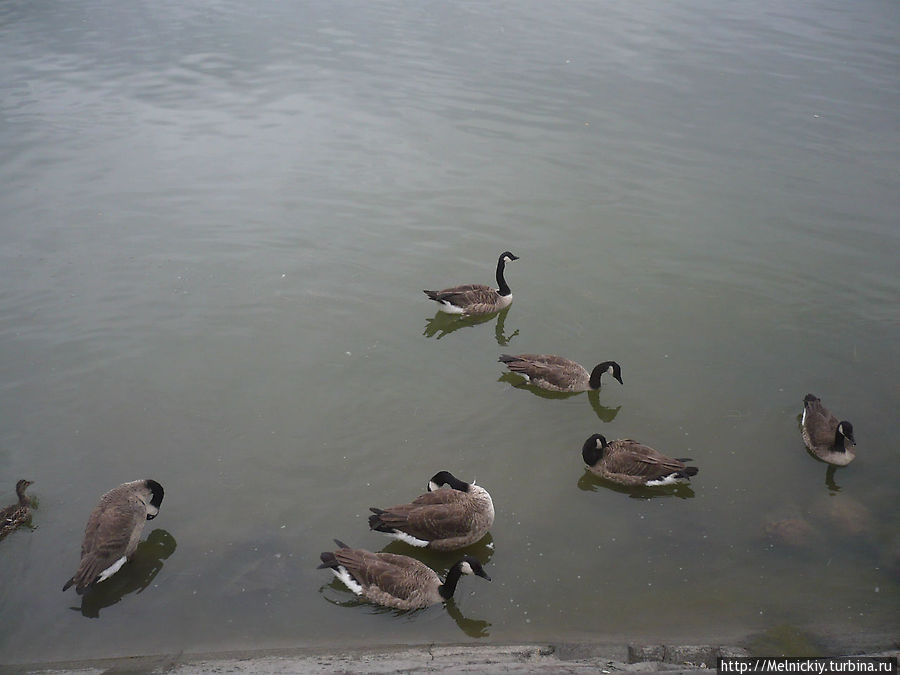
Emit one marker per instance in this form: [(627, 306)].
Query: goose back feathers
[(393, 580), (16, 514), (630, 463), (825, 436), (114, 529), (555, 373), (451, 515), (474, 299)]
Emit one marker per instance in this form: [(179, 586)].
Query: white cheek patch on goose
[(432, 486), (112, 569), (466, 568), (803, 419), (408, 538), (348, 581)]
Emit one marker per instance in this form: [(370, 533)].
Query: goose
[(474, 299), (824, 435), (114, 529), (16, 514), (554, 373), (451, 515), (630, 463), (393, 580)]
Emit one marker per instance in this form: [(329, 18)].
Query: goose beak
[(619, 378), (483, 574)]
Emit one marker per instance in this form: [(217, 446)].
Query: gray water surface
[(217, 220)]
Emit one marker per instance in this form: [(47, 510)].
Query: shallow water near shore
[(218, 219)]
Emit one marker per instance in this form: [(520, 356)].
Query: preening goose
[(451, 515), (114, 529), (16, 514), (393, 580), (825, 437), (630, 463), (554, 373), (473, 299)]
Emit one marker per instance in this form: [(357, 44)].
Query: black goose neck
[(448, 588), (502, 286), (596, 373), (840, 441), (157, 490)]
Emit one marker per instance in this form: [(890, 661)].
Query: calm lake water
[(217, 222)]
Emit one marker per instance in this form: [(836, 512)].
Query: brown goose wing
[(464, 295), (821, 424), (438, 514), (554, 370), (430, 522), (112, 531), (396, 575), (631, 458)]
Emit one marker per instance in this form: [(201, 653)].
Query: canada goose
[(451, 515), (476, 298), (554, 373), (16, 514), (627, 462), (824, 435), (393, 580), (114, 529)]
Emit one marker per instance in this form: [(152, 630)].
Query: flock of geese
[(451, 514)]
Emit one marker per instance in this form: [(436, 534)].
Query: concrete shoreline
[(508, 658)]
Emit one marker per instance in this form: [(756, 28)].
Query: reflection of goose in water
[(605, 413), (591, 482), (143, 567), (443, 324), (475, 628), (829, 479)]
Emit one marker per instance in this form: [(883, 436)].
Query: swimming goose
[(393, 580), (630, 463), (554, 373), (16, 514), (451, 515), (824, 435), (114, 529), (476, 298)]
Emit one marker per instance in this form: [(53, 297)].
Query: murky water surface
[(217, 220)]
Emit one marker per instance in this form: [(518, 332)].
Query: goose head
[(845, 429), (442, 478), (157, 491), (593, 448), (470, 565)]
